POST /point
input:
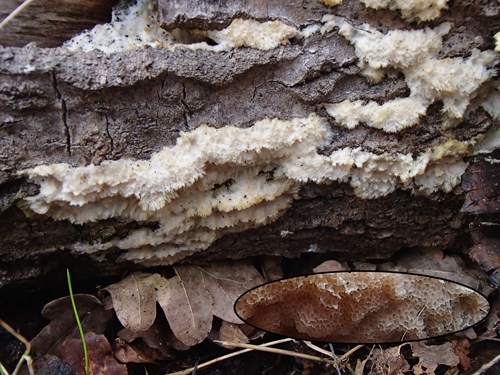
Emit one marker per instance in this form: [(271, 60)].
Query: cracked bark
[(134, 103), (64, 115)]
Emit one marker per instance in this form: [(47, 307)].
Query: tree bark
[(85, 108)]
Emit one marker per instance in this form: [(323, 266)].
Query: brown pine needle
[(348, 353), (276, 351), (26, 356), (318, 349), (234, 354), (14, 13)]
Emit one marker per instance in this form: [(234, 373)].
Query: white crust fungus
[(138, 26), (362, 307), (423, 10), (454, 81), (217, 181), (332, 2)]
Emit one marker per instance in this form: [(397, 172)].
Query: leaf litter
[(63, 324), (196, 294), (189, 300), (101, 359)]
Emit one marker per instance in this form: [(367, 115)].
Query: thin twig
[(487, 338), (276, 351), (318, 349), (26, 356), (224, 357), (14, 13), (335, 358), (356, 348)]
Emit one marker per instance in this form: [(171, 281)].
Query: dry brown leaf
[(226, 281), (360, 366), (125, 353), (271, 267), (154, 337), (232, 333), (101, 360), (364, 266), (430, 357), (492, 321), (388, 362), (187, 304), (63, 325), (189, 299), (331, 266), (241, 271), (137, 352), (134, 300), (462, 350), (433, 262)]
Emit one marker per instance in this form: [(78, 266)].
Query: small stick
[(234, 354), (334, 358), (356, 348), (277, 351), (26, 355), (318, 349), (14, 13)]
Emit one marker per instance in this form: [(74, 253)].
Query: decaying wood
[(481, 183), (84, 108), (49, 24)]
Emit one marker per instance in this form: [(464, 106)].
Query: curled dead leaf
[(134, 300), (189, 300), (63, 324), (430, 357), (388, 362), (137, 352), (232, 333), (155, 337), (226, 281), (101, 359)]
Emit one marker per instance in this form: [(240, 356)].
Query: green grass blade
[(3, 370), (79, 324)]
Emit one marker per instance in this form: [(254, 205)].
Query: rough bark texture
[(83, 108)]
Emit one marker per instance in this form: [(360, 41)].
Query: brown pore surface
[(362, 307)]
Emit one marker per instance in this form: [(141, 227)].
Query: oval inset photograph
[(362, 307)]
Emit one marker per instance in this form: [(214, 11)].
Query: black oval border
[(370, 343)]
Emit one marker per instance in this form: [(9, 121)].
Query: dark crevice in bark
[(64, 114), (186, 111), (109, 135)]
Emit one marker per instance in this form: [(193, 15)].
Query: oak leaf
[(430, 357), (134, 300), (101, 359), (187, 304), (226, 281), (189, 300), (232, 333), (63, 324), (137, 352)]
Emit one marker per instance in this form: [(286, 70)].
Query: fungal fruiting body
[(219, 181), (137, 26), (227, 180), (362, 307)]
